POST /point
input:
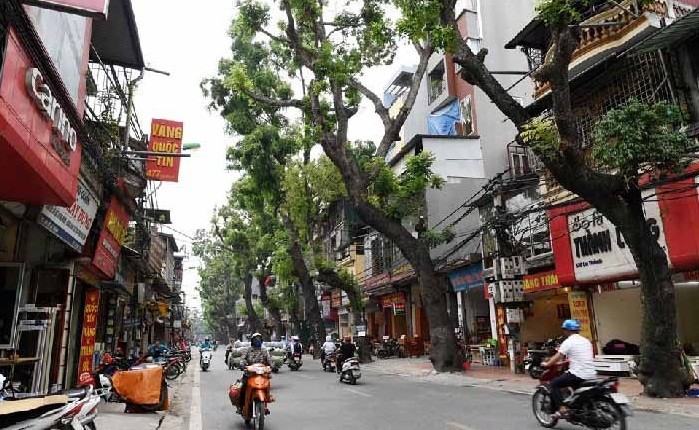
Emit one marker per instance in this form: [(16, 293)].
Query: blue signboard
[(467, 277)]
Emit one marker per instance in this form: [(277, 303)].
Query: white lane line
[(195, 422), (451, 425), (361, 393)]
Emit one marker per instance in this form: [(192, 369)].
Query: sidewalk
[(111, 416), (502, 379)]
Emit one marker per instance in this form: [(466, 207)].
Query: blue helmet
[(571, 325)]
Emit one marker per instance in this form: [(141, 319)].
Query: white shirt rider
[(329, 346), (578, 350)]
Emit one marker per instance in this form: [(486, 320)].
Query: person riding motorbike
[(578, 351), (293, 346), (327, 348), (207, 343), (347, 350), (255, 354)]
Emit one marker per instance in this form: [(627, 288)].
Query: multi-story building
[(624, 53), (68, 193), (467, 136)]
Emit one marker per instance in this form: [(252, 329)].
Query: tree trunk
[(273, 310), (253, 319), (661, 369), (307, 288), (444, 354)]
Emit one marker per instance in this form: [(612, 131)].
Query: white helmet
[(294, 338), (256, 335), (328, 338)]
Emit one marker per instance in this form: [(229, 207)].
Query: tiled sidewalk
[(501, 378)]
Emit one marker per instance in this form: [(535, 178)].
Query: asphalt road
[(311, 399)]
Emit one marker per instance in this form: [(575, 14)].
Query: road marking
[(451, 425), (195, 422), (361, 393)]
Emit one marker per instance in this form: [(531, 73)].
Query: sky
[(187, 39)]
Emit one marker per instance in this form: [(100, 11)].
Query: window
[(437, 82), (473, 34)]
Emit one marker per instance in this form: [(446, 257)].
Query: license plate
[(620, 398)]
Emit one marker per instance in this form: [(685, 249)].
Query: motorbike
[(534, 358), (205, 359), (329, 362), (294, 361), (595, 404), (257, 395), (350, 371), (70, 410), (388, 348)]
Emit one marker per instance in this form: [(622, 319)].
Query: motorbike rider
[(327, 348), (157, 349), (293, 346), (347, 350), (578, 351), (254, 355)]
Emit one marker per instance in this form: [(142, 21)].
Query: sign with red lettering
[(388, 300), (111, 238), (87, 338), (579, 310), (92, 8), (541, 281), (72, 224), (165, 138)]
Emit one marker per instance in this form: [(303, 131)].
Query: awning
[(116, 40), (114, 287), (674, 34), (533, 35)]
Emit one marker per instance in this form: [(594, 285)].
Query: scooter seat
[(591, 382), (75, 393)]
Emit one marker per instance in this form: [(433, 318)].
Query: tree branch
[(260, 98), (391, 132), (379, 108)]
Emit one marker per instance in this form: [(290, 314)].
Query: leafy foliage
[(541, 135), (641, 136)]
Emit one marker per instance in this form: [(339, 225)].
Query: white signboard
[(600, 251), (72, 224)]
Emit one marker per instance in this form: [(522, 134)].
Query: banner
[(111, 238), (466, 278), (579, 310), (87, 338), (72, 225), (541, 281), (166, 138), (91, 8)]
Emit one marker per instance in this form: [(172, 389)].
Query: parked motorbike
[(295, 361), (389, 348), (102, 378), (350, 371), (71, 409), (329, 362), (257, 395), (535, 357), (205, 359), (596, 404)]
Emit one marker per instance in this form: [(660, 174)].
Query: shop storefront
[(592, 257), (547, 309), (393, 315), (473, 306)]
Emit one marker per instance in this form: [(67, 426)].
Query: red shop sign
[(87, 338), (166, 138), (39, 149), (111, 238)]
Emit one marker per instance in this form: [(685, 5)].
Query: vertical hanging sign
[(87, 338), (165, 138), (579, 310)]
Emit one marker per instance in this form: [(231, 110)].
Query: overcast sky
[(187, 38)]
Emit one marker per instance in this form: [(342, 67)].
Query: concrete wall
[(618, 315), (499, 25), (455, 158)]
